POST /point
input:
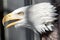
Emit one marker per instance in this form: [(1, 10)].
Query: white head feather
[(39, 14)]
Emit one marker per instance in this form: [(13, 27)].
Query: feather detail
[(41, 14)]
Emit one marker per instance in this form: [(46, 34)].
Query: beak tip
[(9, 17)]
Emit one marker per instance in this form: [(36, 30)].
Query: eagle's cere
[(41, 15)]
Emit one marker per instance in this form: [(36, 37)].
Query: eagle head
[(41, 15)]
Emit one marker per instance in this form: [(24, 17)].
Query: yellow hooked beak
[(10, 17)]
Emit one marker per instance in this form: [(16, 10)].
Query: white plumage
[(41, 15)]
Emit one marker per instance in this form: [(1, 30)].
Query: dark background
[(1, 16)]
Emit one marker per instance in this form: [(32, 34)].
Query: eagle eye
[(21, 13)]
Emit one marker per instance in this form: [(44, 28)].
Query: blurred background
[(20, 34)]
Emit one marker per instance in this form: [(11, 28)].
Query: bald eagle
[(41, 15)]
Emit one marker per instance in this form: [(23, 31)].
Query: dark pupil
[(19, 13)]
